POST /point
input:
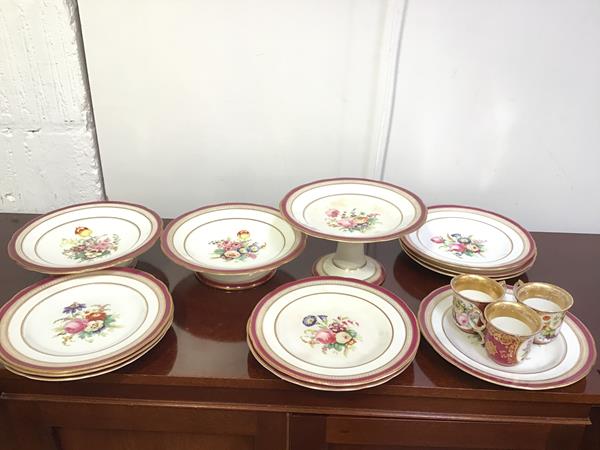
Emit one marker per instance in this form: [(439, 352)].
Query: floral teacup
[(508, 331), (549, 301), (472, 293)]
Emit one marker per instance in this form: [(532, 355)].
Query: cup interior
[(518, 311), (546, 291), (486, 285)]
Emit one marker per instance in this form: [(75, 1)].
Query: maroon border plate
[(399, 363), (586, 339), (420, 217)]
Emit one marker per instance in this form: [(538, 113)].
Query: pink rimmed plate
[(319, 387), (232, 245), (471, 240), (82, 323), (85, 237), (331, 331), (562, 362), (352, 211)]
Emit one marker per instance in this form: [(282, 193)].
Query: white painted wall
[(203, 101), (497, 103), (498, 106), (48, 155)]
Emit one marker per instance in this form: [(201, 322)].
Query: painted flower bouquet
[(238, 249), (352, 220), (86, 247), (84, 322), (460, 245), (336, 335)]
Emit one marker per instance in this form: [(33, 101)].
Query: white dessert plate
[(471, 240), (81, 323), (85, 237), (234, 245), (333, 331), (562, 362)]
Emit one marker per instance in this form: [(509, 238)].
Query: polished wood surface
[(204, 364)]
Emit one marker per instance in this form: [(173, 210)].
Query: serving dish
[(352, 212), (85, 237), (232, 246)]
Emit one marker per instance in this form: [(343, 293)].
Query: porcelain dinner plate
[(353, 210), (85, 237), (333, 331), (471, 240), (232, 245), (501, 275), (559, 363), (82, 323), (319, 387), (110, 368)]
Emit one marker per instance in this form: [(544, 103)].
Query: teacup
[(472, 293), (508, 331), (549, 301)]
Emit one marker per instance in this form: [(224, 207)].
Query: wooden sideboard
[(199, 388)]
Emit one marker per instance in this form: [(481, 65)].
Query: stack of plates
[(461, 239), (81, 326), (332, 333)]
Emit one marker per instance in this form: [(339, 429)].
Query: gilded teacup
[(508, 331), (549, 301), (471, 295)]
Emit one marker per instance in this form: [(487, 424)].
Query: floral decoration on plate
[(351, 221), (238, 249), (460, 245), (84, 322), (338, 334), (87, 247)]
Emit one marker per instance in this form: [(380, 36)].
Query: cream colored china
[(81, 323), (470, 240), (549, 301), (471, 295), (333, 331), (564, 361), (85, 237), (232, 246), (352, 212)]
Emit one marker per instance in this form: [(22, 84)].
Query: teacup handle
[(474, 316), (503, 284), (518, 285)]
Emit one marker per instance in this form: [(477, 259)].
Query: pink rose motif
[(332, 213), (460, 248), (462, 319), (231, 254), (325, 336), (437, 239), (346, 223), (75, 326)]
